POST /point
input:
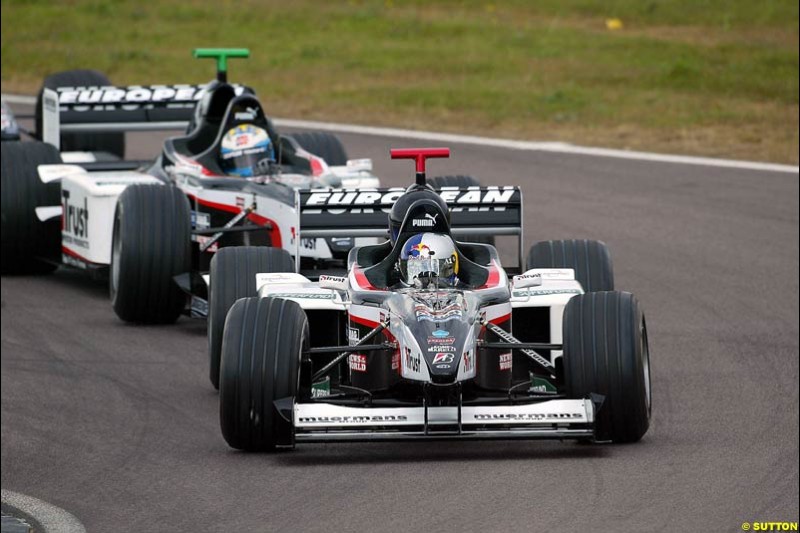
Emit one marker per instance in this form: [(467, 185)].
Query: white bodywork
[(88, 206)]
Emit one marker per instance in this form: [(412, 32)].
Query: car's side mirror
[(527, 280), (337, 283)]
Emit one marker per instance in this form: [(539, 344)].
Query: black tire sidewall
[(152, 229), (323, 144), (591, 261), (604, 353), (29, 246), (262, 346)]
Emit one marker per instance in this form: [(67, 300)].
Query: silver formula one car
[(426, 337)]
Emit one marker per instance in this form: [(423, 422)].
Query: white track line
[(554, 147), (53, 519), (19, 99)]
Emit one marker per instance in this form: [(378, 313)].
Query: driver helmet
[(429, 254), (242, 148)]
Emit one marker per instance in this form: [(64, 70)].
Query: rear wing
[(119, 109), (363, 212)]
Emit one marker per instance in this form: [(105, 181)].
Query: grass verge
[(716, 78)]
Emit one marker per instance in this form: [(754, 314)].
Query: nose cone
[(443, 346)]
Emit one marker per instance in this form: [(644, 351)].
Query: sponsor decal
[(203, 239), (441, 348), (469, 361), (352, 336), (357, 419), (505, 361), (132, 97), (340, 200), (272, 278), (73, 261), (308, 243), (76, 217), (421, 249), (333, 279), (199, 307), (396, 360), (440, 333), (357, 362), (321, 388), (412, 361), (303, 295), (201, 220), (445, 359), (428, 222), (441, 340), (535, 417), (450, 312), (249, 113), (541, 385), (542, 292), (240, 202)]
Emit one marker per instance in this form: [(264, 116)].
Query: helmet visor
[(421, 265)]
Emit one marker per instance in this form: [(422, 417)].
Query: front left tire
[(150, 245), (261, 351)]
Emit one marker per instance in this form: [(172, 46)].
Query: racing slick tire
[(150, 245), (233, 276), (606, 352), (324, 145), (26, 240), (263, 342), (591, 261), (438, 182), (113, 143)]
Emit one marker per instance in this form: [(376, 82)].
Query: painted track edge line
[(543, 146), (52, 519)]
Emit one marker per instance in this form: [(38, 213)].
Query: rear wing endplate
[(363, 212)]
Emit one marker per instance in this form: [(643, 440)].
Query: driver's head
[(429, 254), (243, 147), (400, 207)]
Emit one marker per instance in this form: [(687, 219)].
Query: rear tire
[(324, 145), (606, 352), (25, 239), (233, 276), (437, 182), (591, 261), (263, 342), (150, 245), (113, 143)]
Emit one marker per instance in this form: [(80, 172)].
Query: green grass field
[(709, 77)]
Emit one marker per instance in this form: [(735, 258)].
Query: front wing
[(556, 419)]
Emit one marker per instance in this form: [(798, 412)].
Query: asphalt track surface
[(118, 424)]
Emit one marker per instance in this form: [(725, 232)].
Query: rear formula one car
[(155, 226), (426, 337)]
